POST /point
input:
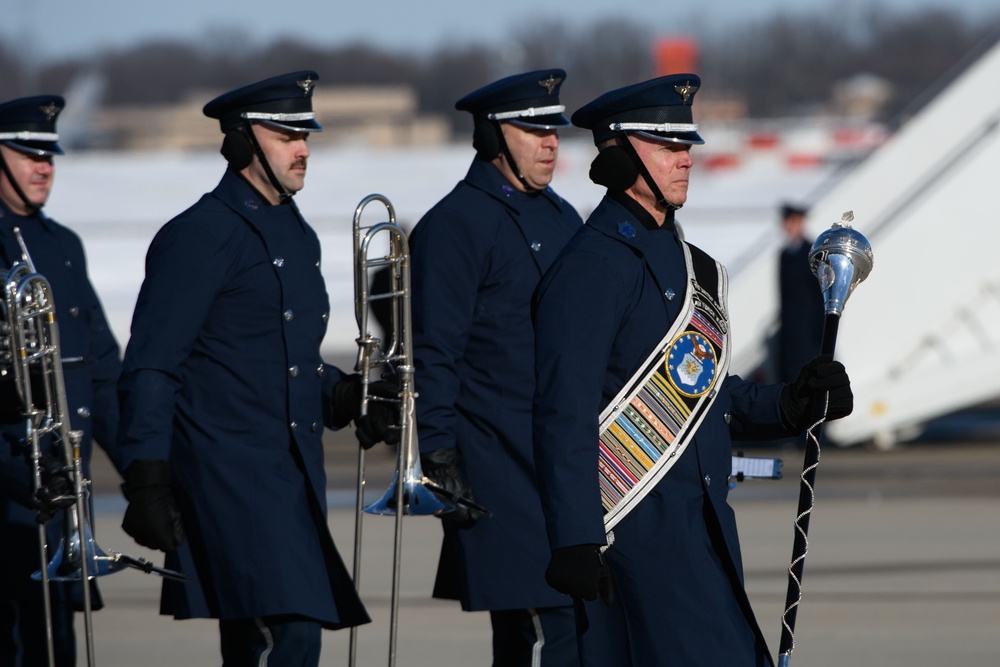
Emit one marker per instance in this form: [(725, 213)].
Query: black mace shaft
[(841, 258), (806, 500)]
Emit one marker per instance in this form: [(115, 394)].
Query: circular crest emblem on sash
[(691, 364)]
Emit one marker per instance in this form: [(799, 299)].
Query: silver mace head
[(841, 258)]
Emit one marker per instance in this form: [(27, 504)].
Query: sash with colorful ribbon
[(647, 426)]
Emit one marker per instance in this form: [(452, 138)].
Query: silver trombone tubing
[(31, 337), (408, 493), (34, 340)]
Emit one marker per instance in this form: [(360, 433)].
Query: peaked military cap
[(789, 209), (659, 108), (28, 124), (283, 101), (530, 99)]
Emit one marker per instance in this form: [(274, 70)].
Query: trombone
[(410, 491), (31, 341)]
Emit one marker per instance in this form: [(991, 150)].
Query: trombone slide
[(408, 493)]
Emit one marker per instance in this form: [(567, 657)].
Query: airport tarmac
[(903, 568)]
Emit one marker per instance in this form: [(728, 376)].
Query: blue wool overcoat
[(477, 258), (675, 563), (223, 378)]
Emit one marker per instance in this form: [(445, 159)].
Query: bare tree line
[(783, 65)]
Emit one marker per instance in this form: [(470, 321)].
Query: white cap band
[(527, 113), (260, 115), (29, 136), (656, 127)]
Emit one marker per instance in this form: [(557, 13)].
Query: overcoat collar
[(621, 218), (236, 193), (9, 220), (486, 177)]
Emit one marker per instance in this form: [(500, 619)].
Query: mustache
[(300, 162)]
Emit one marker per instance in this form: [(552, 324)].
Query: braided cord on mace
[(841, 258)]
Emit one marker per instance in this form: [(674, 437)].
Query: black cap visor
[(32, 147), (548, 122), (304, 125), (692, 138)]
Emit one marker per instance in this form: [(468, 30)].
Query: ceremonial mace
[(841, 258)]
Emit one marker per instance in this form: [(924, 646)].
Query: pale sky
[(62, 28)]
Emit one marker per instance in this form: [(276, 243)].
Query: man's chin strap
[(283, 195), (510, 159), (626, 143), (31, 206)]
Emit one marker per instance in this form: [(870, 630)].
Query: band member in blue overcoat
[(91, 365), (670, 580), (225, 396), (477, 257)]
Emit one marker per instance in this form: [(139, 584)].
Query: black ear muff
[(485, 140), (614, 169), (237, 150)]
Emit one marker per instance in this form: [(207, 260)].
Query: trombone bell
[(65, 563), (418, 500)]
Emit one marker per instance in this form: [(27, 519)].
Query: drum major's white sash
[(647, 426)]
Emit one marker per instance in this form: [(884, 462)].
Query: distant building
[(373, 115), (861, 96)]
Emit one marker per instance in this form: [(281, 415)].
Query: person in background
[(478, 255), (225, 396), (800, 333), (91, 364)]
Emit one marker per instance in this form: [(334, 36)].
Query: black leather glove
[(56, 492), (801, 402), (441, 466), (152, 517), (381, 422), (580, 572)]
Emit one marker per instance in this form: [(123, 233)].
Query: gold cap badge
[(50, 110), (550, 83), (686, 91), (306, 84)]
